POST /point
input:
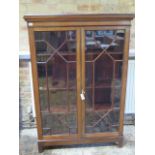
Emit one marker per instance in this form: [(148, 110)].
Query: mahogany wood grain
[(35, 82), (79, 23), (124, 79), (78, 17)]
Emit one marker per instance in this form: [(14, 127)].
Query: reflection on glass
[(43, 100), (103, 70), (59, 123), (49, 42), (72, 75), (109, 40), (72, 99), (102, 121), (56, 63), (58, 101)]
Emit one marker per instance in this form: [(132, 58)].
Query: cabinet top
[(78, 17)]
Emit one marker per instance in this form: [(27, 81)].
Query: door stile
[(83, 78), (35, 82), (78, 74)]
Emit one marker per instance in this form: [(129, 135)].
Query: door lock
[(82, 95)]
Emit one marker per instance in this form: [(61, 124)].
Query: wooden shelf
[(102, 108), (60, 89), (71, 53), (110, 37), (72, 110), (103, 86), (43, 40), (74, 88), (58, 110), (44, 53)]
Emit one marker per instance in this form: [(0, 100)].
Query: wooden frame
[(80, 23)]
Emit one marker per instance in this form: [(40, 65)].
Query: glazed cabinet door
[(56, 57), (102, 63)]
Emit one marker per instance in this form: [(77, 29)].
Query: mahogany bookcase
[(79, 68)]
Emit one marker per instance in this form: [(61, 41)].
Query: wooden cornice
[(78, 17)]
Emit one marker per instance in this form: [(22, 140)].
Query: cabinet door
[(102, 74), (56, 60)]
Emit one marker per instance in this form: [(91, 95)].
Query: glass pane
[(103, 98), (72, 75), (103, 71), (117, 83), (47, 43), (72, 99), (57, 72), (109, 40), (56, 64)]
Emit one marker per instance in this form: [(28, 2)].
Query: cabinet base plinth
[(40, 147), (51, 143), (120, 141)]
